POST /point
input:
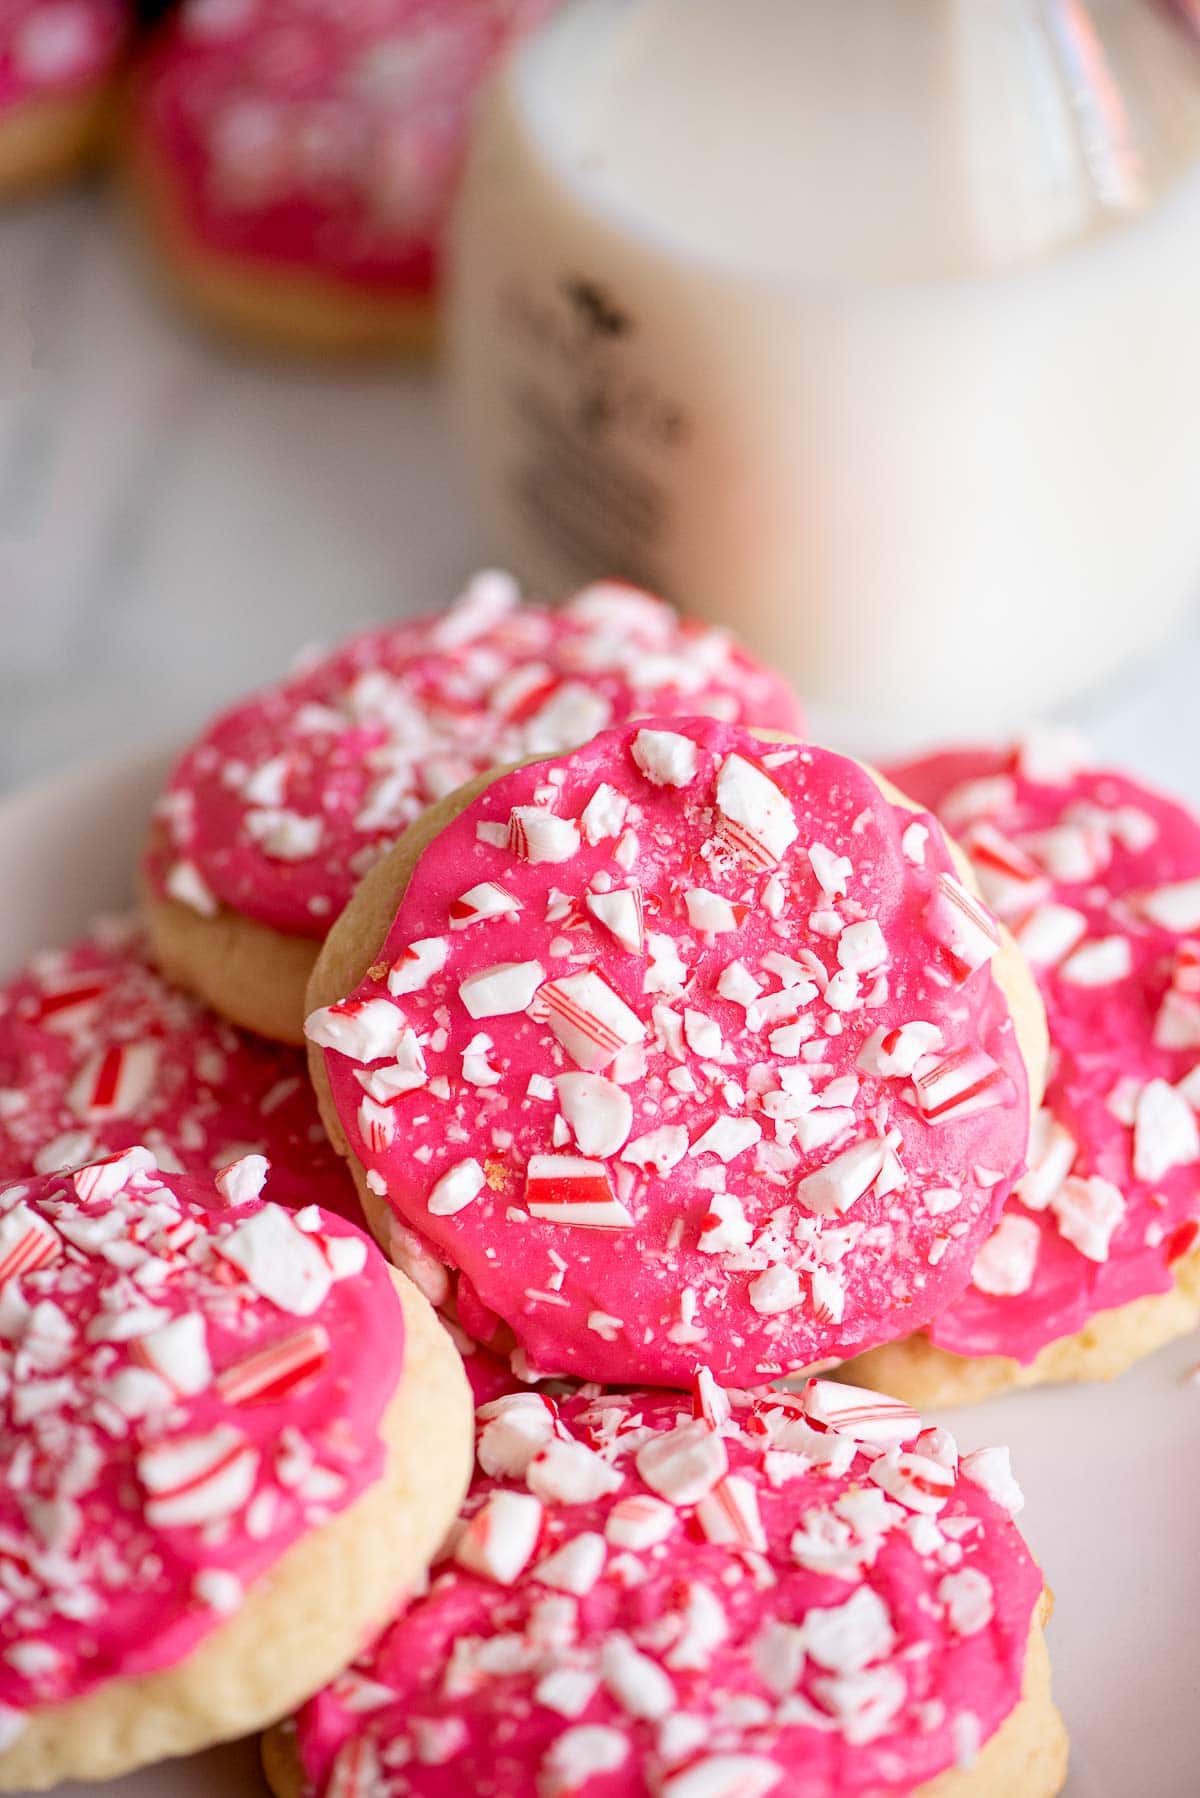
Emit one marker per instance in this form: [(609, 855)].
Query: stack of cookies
[(724, 1097)]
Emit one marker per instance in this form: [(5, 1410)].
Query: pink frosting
[(192, 1379), (287, 799), (682, 1047), (97, 1053), (55, 48), (806, 1596), (1099, 878), (322, 135)]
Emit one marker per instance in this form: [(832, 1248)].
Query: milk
[(871, 329)]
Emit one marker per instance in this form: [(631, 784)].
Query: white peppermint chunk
[(709, 911), (757, 816), (775, 1290), (892, 1054), (1050, 932), (604, 814), (363, 1030), (578, 1756), (991, 1469), (515, 1428), (280, 1261), (1052, 1152), (832, 871), (599, 1113), (1005, 1263), (862, 948), (566, 1472), (187, 886), (576, 1566), (738, 984), (536, 835), (243, 1180), (1088, 1212), (684, 1465), (1098, 963), (658, 1150), (499, 991), (834, 1188), (620, 911), (456, 1189), (846, 1638), (969, 1600), (727, 1138), (285, 835), (666, 758), (486, 900), (412, 971), (639, 1685), (726, 1228), (590, 1020), (1175, 907), (499, 1540), (1164, 1131)]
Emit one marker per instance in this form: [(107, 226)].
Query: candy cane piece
[(273, 1372)]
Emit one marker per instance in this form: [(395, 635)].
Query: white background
[(174, 524)]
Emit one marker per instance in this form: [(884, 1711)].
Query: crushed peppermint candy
[(322, 139), (53, 48), (1098, 877), (699, 1634), (363, 740), (187, 1386), (728, 1134), (98, 1052)]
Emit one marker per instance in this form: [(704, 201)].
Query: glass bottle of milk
[(870, 328)]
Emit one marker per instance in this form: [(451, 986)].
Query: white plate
[(1112, 1474)]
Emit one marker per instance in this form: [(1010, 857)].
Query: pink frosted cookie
[(210, 1407), (684, 1046), (1094, 1262), (297, 158), (273, 816), (97, 1053), (58, 60), (808, 1596)]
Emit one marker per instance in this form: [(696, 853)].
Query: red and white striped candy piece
[(103, 1180), (417, 965), (498, 1542), (755, 816), (913, 1480), (566, 1189), (958, 921), (197, 1479), (536, 835), (959, 1084), (273, 1372), (365, 1030), (357, 1771), (590, 1020), (114, 1081), (709, 1400), (620, 912), (63, 1008), (640, 1522), (729, 1514), (486, 900), (1011, 880), (178, 1353), (27, 1242), (859, 1413)]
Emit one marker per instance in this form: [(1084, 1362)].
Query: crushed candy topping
[(1098, 877), (773, 1595), (98, 1052), (342, 756), (59, 47), (186, 1387), (322, 135), (764, 1112)]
